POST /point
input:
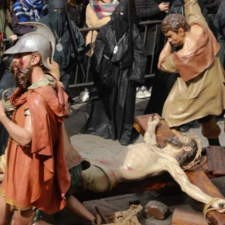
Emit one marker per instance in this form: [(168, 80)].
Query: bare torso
[(136, 162)]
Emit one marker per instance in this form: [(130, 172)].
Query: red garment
[(37, 176), (190, 66)]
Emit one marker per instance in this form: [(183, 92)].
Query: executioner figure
[(35, 146), (198, 93)]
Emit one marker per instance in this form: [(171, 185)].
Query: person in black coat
[(111, 108), (64, 53), (151, 9), (221, 16), (162, 83)]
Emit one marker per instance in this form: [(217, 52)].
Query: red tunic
[(37, 176)]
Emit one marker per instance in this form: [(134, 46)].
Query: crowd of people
[(45, 44)]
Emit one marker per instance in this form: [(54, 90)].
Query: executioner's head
[(174, 27), (32, 50), (187, 148)]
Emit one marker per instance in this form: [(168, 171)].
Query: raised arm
[(193, 12), (173, 167), (150, 136)]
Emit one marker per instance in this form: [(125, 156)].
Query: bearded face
[(22, 76), (22, 69), (188, 145)]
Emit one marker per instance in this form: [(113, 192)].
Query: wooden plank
[(106, 204), (216, 159), (199, 178), (181, 217)]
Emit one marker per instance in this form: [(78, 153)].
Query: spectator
[(98, 14), (221, 17), (111, 106), (211, 6), (151, 9), (177, 7), (6, 76), (209, 9), (64, 52), (5, 29), (154, 10), (76, 10), (27, 10)]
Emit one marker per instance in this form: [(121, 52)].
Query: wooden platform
[(196, 176), (216, 160)]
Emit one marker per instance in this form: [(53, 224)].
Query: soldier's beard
[(22, 76)]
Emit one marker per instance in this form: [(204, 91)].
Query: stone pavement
[(90, 146)]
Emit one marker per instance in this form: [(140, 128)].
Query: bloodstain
[(104, 162), (129, 168), (22, 62)]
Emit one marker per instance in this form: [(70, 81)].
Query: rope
[(198, 154), (208, 209), (128, 215)]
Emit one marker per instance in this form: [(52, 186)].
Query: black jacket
[(221, 16), (149, 9), (111, 106)]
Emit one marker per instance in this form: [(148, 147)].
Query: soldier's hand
[(2, 111)]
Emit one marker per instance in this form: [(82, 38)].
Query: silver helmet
[(41, 41)]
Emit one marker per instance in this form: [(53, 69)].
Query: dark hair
[(174, 22), (185, 156)]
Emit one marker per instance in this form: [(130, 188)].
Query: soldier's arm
[(193, 12), (74, 206), (21, 135)]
